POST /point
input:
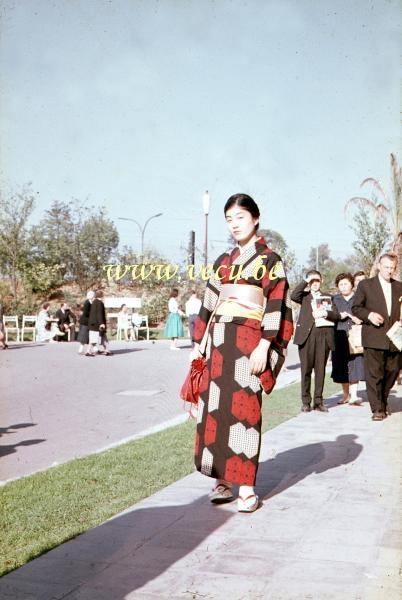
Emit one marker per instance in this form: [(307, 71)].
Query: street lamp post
[(205, 203), (142, 229)]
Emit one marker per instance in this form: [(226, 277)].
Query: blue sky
[(142, 105)]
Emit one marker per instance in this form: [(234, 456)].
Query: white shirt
[(173, 305), (193, 306), (387, 289)]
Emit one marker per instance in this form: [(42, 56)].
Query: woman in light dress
[(124, 323), (46, 327), (174, 325)]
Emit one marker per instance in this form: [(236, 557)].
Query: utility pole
[(142, 229), (206, 203), (191, 248)]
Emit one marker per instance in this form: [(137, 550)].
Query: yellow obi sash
[(240, 300)]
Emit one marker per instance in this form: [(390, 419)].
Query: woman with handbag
[(347, 368), (245, 323)]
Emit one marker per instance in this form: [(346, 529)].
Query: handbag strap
[(203, 343)]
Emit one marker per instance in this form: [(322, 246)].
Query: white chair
[(28, 326), (110, 318), (11, 325), (144, 325)]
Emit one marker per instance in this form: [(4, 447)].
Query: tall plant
[(385, 206)]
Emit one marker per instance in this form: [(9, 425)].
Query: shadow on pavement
[(395, 402), (18, 346), (288, 468), (127, 351), (292, 367), (135, 548), (10, 449), (11, 428)]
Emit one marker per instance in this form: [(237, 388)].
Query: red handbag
[(190, 390), (191, 387)]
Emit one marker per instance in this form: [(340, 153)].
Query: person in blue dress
[(347, 368), (174, 325)]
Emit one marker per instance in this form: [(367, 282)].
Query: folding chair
[(144, 325), (11, 325), (28, 326)]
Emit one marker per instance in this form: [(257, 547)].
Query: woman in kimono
[(247, 310)]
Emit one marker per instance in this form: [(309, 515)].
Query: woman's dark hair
[(341, 276), (174, 293), (314, 272), (122, 306), (246, 202), (45, 305), (358, 274), (99, 294)]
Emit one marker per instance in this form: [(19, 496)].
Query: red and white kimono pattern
[(228, 434)]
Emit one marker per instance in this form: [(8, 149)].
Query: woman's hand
[(195, 352), (259, 357), (356, 320)]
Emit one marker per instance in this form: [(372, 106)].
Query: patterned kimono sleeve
[(277, 322), (210, 299)]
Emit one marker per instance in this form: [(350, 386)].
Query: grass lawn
[(43, 510)]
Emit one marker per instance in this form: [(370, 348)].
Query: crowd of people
[(91, 320), (374, 306)]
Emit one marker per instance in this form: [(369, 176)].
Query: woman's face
[(241, 224), (345, 287), (359, 278)]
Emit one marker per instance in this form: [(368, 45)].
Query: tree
[(279, 245), (15, 211), (321, 260), (372, 234), (95, 241), (52, 242), (72, 242), (40, 277), (385, 206)]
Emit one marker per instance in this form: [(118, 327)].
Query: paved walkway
[(56, 405), (329, 528)]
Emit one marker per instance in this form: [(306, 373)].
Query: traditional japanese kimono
[(228, 434)]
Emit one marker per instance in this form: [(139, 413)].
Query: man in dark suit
[(377, 303), (65, 321), (314, 334)]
